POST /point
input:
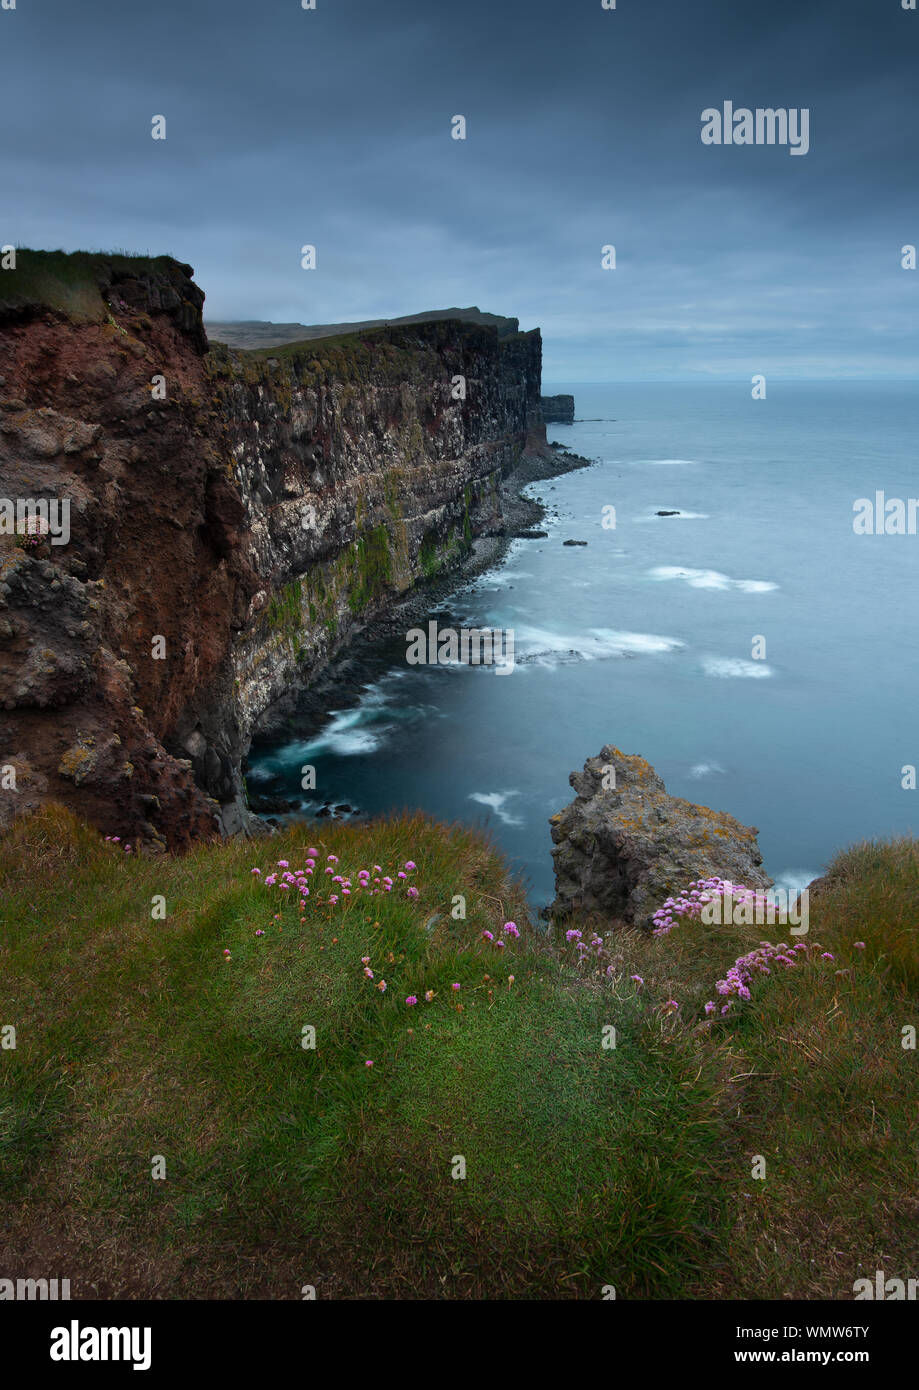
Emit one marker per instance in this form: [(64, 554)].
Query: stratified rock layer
[(235, 518), (624, 848)]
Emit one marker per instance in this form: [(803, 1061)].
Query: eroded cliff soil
[(235, 517)]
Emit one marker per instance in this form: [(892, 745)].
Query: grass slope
[(73, 283), (585, 1165)]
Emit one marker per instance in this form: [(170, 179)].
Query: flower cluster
[(342, 888), (690, 904)]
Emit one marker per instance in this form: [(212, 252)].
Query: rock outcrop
[(235, 518), (623, 846), (558, 410)]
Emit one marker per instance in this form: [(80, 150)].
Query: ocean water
[(646, 637)]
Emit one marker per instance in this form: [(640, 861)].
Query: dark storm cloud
[(332, 127)]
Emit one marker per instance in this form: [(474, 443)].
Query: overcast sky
[(332, 127)]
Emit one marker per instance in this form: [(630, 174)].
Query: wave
[(653, 514), (542, 647), (711, 579), (706, 770), (727, 667), (495, 802)]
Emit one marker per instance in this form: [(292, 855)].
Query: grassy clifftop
[(75, 283), (144, 1040)]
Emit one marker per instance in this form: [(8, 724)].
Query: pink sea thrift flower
[(412, 999)]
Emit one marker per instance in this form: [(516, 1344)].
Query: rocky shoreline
[(304, 712), (238, 522)]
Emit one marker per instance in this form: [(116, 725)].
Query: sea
[(760, 654)]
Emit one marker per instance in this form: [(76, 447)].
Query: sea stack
[(624, 845)]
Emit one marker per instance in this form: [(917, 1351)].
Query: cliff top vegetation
[(468, 1130)]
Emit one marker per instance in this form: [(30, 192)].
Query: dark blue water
[(644, 638)]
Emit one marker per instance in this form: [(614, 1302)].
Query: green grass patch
[(73, 283), (495, 1148)]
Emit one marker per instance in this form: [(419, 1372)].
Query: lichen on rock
[(624, 844)]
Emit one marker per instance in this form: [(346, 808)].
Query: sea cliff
[(235, 518)]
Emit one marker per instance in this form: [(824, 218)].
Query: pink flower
[(368, 1063), (410, 864), (411, 893), (283, 864), (510, 929), (412, 999), (365, 960), (455, 985), (257, 871), (312, 853), (859, 945)]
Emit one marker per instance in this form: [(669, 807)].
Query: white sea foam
[(495, 802), (726, 667), (542, 647), (706, 770), (711, 579), (654, 515), (796, 880)]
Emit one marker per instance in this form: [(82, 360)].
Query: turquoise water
[(645, 637)]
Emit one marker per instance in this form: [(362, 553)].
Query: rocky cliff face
[(623, 846), (234, 518)]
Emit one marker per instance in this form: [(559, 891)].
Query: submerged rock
[(574, 542), (624, 845)]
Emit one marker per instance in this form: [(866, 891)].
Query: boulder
[(624, 845)]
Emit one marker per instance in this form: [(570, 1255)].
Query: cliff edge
[(233, 519)]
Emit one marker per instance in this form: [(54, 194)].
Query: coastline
[(306, 711)]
